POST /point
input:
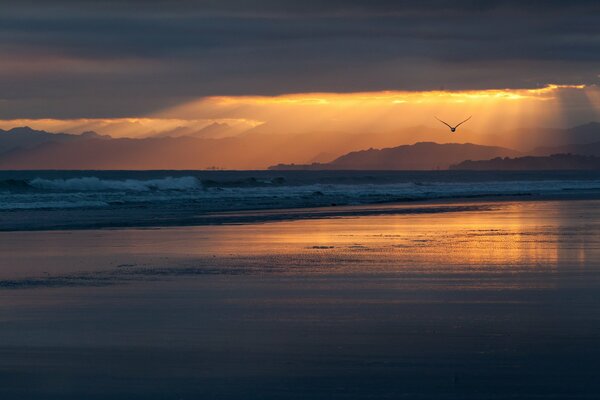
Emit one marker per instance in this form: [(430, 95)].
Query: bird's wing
[(443, 122), (464, 121)]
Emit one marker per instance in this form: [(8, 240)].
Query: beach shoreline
[(494, 303), (55, 200), (91, 219)]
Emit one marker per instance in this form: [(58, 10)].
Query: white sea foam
[(96, 184), (37, 205), (192, 194)]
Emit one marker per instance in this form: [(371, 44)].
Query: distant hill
[(589, 149), (25, 148), (554, 137), (215, 130), (585, 133), (552, 162), (252, 150), (419, 156), (26, 138)]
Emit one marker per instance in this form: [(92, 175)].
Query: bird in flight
[(453, 128)]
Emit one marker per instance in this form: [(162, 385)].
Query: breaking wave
[(42, 205), (197, 192), (97, 184), (92, 184)]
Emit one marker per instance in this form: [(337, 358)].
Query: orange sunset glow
[(495, 111)]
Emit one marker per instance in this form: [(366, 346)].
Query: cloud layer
[(104, 59)]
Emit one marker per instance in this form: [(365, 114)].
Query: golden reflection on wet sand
[(511, 237), (519, 236)]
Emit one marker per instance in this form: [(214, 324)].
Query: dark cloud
[(116, 58)]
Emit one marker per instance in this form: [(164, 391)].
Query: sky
[(139, 68)]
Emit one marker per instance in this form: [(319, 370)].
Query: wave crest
[(97, 184)]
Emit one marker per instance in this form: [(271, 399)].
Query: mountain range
[(420, 156), (26, 148), (589, 149), (531, 138), (25, 138), (552, 162)]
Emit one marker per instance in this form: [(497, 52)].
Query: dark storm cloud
[(115, 58)]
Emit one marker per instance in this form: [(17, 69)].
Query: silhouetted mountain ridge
[(26, 148), (253, 150), (25, 137), (555, 137), (419, 156), (552, 162), (589, 149)]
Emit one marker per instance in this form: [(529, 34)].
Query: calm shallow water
[(497, 302)]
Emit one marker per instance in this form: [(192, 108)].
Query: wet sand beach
[(493, 301)]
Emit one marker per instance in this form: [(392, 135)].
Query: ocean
[(172, 285), (32, 200)]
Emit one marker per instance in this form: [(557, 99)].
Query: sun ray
[(498, 114)]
